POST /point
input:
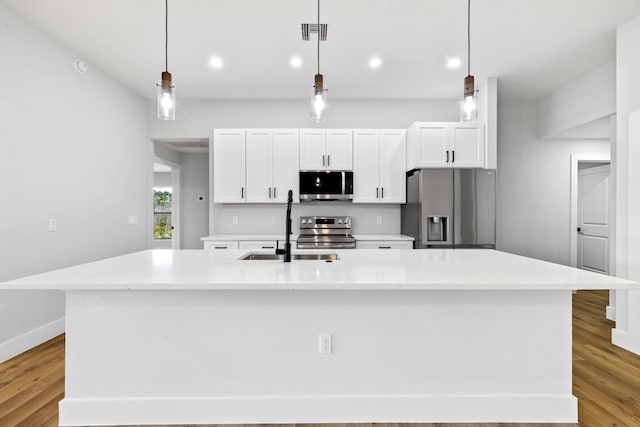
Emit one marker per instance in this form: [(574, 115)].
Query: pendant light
[(166, 88), (469, 104), (319, 103)]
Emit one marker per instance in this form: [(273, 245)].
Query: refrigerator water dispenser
[(437, 228)]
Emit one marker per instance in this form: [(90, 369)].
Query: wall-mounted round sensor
[(81, 66)]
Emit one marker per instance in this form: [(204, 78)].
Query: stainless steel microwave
[(326, 185)]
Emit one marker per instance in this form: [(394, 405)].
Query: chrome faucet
[(287, 240)]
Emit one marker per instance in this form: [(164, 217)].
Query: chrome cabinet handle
[(242, 192), (377, 193), (267, 247), (328, 159), (384, 247), (269, 192), (453, 156), (323, 160), (382, 192), (274, 192), (447, 156), (221, 247)]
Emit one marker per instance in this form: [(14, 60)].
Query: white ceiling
[(532, 46)]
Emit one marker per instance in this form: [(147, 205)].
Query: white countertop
[(243, 237), (362, 269), (385, 237)]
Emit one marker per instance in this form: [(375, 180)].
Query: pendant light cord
[(166, 35), (468, 37), (319, 36)]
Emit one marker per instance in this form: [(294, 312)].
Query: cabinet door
[(467, 145), (285, 165), (340, 149), (392, 166), (228, 166), (313, 149), (432, 144), (259, 166), (366, 166)]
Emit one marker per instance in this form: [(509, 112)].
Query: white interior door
[(593, 219)]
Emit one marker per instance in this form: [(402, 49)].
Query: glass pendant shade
[(469, 103), (319, 103), (166, 98)]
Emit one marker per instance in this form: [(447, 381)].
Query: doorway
[(590, 212), (166, 206)]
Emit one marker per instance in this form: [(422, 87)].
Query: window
[(162, 213)]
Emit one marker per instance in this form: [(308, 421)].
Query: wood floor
[(606, 379)]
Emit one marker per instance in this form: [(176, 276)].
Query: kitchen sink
[(256, 256)]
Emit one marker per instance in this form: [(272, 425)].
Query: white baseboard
[(611, 313), (34, 337), (319, 409), (624, 340)]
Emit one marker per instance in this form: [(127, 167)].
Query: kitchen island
[(188, 337)]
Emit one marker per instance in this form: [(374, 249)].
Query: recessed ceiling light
[(375, 62), (215, 62), (454, 62), (296, 62)]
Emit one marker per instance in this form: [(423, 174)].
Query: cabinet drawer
[(382, 244), (221, 245), (257, 244)]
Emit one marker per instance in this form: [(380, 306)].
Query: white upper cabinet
[(340, 149), (229, 166), (259, 173), (393, 157), (326, 149), (271, 165), (379, 166), (445, 144), (467, 145), (285, 164)]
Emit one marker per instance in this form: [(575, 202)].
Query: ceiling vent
[(309, 29)]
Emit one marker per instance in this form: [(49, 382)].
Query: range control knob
[(304, 221), (340, 221)]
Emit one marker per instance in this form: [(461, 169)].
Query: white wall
[(197, 119), (533, 186), (74, 149), (162, 179), (580, 102), (194, 215), (625, 158)]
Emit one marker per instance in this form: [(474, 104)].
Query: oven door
[(326, 185)]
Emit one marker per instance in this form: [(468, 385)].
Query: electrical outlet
[(325, 344), (52, 224), (234, 220), (274, 220), (133, 220), (379, 219)]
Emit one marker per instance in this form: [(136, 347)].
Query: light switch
[(133, 220), (52, 224)]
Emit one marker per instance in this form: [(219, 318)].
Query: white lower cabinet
[(221, 245), (384, 244)]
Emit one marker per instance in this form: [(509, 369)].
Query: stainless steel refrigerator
[(451, 208)]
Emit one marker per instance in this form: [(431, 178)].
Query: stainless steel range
[(325, 232)]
